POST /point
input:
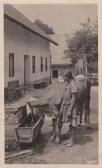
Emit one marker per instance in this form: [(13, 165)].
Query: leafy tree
[(83, 43), (44, 27)]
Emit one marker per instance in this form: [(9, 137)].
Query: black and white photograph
[(51, 83)]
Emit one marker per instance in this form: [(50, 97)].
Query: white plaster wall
[(38, 47), (22, 42), (78, 66)]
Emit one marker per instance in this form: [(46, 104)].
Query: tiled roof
[(14, 15)]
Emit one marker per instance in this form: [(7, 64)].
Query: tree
[(44, 27), (84, 43)]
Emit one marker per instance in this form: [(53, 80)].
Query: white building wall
[(79, 67), (38, 47), (22, 42)]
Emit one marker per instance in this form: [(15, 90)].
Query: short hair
[(68, 74)]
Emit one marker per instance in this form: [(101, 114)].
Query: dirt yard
[(45, 152)]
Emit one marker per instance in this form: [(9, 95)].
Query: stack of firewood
[(9, 94), (12, 93)]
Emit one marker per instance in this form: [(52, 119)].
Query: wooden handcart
[(28, 134)]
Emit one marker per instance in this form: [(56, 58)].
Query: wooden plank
[(20, 153)]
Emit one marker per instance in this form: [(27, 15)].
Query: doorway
[(55, 73), (26, 69)]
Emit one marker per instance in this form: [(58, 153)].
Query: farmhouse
[(26, 50)]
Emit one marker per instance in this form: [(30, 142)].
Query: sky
[(63, 18)]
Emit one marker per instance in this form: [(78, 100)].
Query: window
[(78, 72), (11, 64), (45, 64), (41, 64), (33, 64), (81, 70)]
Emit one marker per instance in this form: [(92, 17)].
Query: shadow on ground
[(83, 134)]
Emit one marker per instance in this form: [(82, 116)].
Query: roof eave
[(24, 26)]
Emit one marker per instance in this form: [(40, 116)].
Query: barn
[(59, 66), (26, 50)]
